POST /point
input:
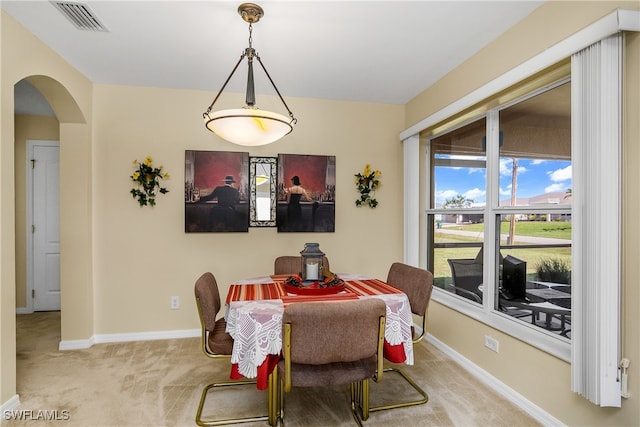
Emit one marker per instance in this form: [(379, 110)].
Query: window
[(507, 194), (533, 217), (457, 200), (596, 54)]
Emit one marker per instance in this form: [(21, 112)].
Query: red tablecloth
[(273, 289)]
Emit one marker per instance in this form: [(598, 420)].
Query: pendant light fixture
[(249, 125)]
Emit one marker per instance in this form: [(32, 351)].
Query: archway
[(75, 201), (36, 129)]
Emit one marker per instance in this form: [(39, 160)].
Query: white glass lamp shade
[(248, 126)]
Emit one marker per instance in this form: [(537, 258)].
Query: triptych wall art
[(231, 191)]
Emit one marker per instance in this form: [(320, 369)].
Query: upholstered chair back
[(416, 282), (206, 290), (325, 332)]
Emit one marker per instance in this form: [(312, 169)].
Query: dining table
[(254, 309)]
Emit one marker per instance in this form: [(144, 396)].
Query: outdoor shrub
[(554, 270)]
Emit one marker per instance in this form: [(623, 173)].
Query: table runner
[(254, 320), (255, 291), (275, 290)]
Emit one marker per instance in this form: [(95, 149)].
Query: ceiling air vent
[(80, 15)]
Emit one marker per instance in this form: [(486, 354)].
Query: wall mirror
[(262, 191)]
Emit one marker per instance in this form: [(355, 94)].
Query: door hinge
[(33, 293), (33, 163), (33, 229)]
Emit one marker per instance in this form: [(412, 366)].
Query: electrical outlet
[(175, 303), (491, 343)]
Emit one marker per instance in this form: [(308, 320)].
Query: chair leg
[(360, 401), (365, 399), (203, 398), (425, 397), (356, 396), (274, 398), (279, 400)]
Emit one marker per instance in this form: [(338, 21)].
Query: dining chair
[(288, 264), (217, 344), (332, 343), (466, 274), (417, 283)]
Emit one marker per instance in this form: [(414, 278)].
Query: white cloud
[(537, 162), (554, 187), (506, 191), (506, 167), (559, 175), (475, 194), (445, 194)]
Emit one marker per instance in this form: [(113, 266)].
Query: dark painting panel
[(216, 191), (306, 193)]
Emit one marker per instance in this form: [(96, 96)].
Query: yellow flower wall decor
[(367, 183), (147, 177)]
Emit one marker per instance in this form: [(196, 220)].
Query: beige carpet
[(158, 383)]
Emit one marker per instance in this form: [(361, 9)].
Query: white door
[(44, 159)]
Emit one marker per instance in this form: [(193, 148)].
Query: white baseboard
[(10, 405), (23, 310), (76, 344), (134, 336), (496, 385)]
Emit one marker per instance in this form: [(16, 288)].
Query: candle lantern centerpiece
[(311, 267)]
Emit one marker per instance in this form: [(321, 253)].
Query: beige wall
[(69, 93), (631, 227), (143, 256), (26, 128), (540, 377), (544, 27)]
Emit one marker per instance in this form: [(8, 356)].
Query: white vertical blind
[(411, 149), (596, 150)]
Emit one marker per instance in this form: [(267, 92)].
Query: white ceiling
[(370, 51)]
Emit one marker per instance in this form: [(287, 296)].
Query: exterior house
[(121, 264)]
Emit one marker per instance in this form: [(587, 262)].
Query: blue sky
[(535, 177)]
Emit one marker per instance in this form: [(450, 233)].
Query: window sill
[(541, 339)]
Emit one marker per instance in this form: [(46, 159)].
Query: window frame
[(485, 312)]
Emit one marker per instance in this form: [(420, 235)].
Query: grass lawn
[(533, 256), (555, 229)]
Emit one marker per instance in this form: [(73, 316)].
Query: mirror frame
[(253, 162)]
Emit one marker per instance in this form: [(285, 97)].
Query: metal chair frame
[(271, 417), (407, 378)]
